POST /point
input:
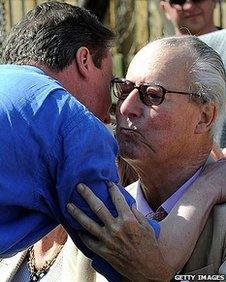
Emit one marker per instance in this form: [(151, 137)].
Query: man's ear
[(207, 118), (84, 61)]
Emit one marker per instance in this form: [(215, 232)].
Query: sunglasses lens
[(149, 94), (152, 95), (182, 2), (197, 1), (122, 89), (177, 2)]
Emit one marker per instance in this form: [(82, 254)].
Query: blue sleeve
[(86, 154)]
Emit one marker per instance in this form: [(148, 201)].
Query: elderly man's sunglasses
[(182, 2), (150, 94)]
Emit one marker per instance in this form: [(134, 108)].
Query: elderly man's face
[(157, 131), (197, 18)]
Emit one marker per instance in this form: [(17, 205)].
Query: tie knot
[(159, 215)]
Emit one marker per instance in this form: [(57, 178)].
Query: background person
[(190, 17)]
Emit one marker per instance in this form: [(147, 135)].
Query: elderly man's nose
[(131, 106), (189, 4)]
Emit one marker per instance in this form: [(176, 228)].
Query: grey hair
[(206, 76)]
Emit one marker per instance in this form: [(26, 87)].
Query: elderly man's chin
[(131, 150)]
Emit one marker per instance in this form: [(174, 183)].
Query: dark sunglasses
[(150, 94), (182, 2)]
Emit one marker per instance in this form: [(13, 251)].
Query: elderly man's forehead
[(160, 57), (160, 51)]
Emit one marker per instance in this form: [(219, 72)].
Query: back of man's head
[(51, 34)]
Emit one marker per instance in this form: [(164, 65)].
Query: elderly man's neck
[(160, 180)]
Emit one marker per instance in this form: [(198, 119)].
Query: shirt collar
[(144, 207)]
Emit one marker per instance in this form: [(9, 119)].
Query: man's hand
[(127, 242)]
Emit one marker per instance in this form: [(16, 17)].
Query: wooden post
[(141, 26)]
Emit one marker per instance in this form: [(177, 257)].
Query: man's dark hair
[(51, 34)]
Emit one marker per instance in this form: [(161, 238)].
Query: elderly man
[(170, 106), (169, 111), (190, 16)]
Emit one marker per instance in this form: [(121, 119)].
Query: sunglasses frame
[(143, 94), (176, 2)]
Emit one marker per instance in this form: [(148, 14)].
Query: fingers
[(95, 204), (92, 243), (139, 216), (98, 247), (119, 201), (89, 225)]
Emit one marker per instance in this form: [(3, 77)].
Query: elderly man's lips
[(192, 16), (127, 131), (133, 134)]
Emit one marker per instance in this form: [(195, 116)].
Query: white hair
[(206, 74)]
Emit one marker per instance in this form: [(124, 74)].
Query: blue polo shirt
[(49, 142)]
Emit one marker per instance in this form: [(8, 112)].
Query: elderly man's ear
[(207, 118), (84, 62)]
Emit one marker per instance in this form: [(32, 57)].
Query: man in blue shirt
[(49, 142)]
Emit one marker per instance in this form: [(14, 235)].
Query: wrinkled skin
[(127, 240)]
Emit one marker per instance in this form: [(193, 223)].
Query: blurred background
[(135, 22)]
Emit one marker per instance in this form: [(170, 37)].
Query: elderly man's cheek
[(160, 121)]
